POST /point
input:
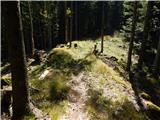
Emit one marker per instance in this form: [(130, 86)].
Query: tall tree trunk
[(76, 21), (102, 27), (45, 28), (129, 62), (71, 19), (18, 60), (66, 23), (40, 35), (156, 64), (145, 35), (49, 29), (31, 26)]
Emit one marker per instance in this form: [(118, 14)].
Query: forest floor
[(74, 84)]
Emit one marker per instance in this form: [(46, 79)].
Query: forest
[(80, 60)]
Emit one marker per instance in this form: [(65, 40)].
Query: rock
[(44, 74)]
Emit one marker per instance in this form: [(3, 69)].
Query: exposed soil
[(77, 98)]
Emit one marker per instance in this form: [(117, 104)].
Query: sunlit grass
[(63, 62), (55, 110), (101, 108)]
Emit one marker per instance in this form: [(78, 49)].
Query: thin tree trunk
[(45, 28), (18, 61), (76, 21), (145, 35), (157, 61), (102, 27), (129, 62), (31, 26), (66, 23), (71, 19), (49, 29), (40, 35)]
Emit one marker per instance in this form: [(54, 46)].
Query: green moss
[(59, 58), (52, 92)]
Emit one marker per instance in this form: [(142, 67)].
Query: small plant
[(58, 90), (97, 100)]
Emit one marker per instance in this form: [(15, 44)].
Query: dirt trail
[(39, 115), (77, 98)]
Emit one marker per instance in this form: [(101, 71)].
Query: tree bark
[(31, 26), (76, 21), (129, 62), (49, 28), (102, 27), (18, 61), (145, 35), (66, 23), (71, 19), (45, 28)]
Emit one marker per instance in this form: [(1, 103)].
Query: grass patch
[(59, 58), (100, 108), (38, 70), (55, 110), (58, 90), (29, 117), (98, 66), (52, 92)]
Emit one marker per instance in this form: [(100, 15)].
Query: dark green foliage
[(127, 19)]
